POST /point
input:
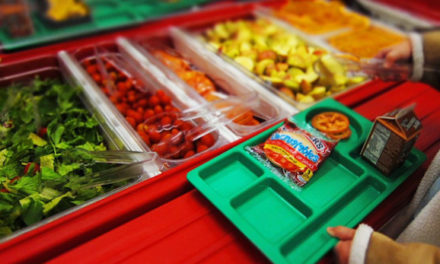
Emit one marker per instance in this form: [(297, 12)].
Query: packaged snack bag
[(294, 153)]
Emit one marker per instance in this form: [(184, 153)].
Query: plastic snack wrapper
[(294, 153)]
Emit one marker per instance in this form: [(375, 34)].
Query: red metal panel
[(428, 9), (392, 99), (363, 93), (187, 229)]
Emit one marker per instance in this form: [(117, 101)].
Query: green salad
[(38, 123)]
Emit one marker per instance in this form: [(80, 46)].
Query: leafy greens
[(38, 122)]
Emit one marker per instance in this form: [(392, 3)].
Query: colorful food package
[(318, 17), (294, 153), (365, 42)]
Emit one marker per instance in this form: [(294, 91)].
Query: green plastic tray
[(106, 14), (289, 224)]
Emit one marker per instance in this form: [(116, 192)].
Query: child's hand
[(398, 52), (345, 235)]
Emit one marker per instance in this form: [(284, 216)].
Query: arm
[(423, 50), (382, 249), (365, 246)]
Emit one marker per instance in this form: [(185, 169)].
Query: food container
[(146, 86), (365, 42), (296, 84), (59, 14), (48, 67), (289, 224), (211, 85), (351, 38), (318, 17)]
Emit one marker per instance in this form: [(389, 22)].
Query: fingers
[(341, 232), (392, 57), (342, 250), (383, 53), (398, 52)]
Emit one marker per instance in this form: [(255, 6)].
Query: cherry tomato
[(122, 108), (164, 99), (168, 108), (131, 120), (161, 148), (160, 93), (149, 113), (173, 152), (201, 147), (176, 138), (189, 154), (165, 137), (158, 109), (136, 115), (96, 77), (121, 86), (166, 121), (154, 100), (42, 131), (91, 69), (187, 146), (143, 102), (114, 99), (153, 133), (207, 140)]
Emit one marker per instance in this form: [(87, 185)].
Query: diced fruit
[(262, 65), (279, 57), (246, 62), (318, 92), (267, 55)]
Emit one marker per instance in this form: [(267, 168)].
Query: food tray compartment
[(366, 29), (210, 84), (308, 50), (24, 72), (288, 223), (147, 85), (43, 10), (364, 46), (319, 18)]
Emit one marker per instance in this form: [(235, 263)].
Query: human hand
[(398, 52), (345, 235)]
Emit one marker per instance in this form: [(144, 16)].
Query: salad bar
[(117, 137)]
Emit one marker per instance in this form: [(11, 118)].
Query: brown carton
[(391, 139)]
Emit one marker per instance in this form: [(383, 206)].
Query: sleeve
[(382, 249), (360, 244), (426, 53), (431, 48)]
